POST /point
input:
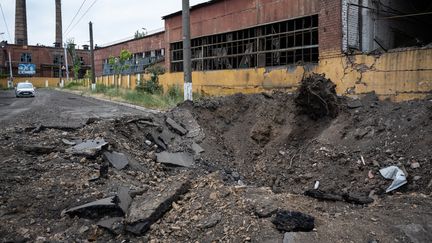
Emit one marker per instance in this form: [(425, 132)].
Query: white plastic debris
[(317, 184), (362, 160), (396, 174)]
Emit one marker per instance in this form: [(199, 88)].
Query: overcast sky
[(112, 19)]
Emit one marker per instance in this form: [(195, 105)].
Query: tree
[(139, 34), (119, 64), (76, 62), (152, 86)]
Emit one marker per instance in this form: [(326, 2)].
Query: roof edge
[(200, 5)]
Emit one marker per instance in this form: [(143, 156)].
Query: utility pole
[(10, 83), (67, 66), (187, 62), (93, 85), (60, 72)]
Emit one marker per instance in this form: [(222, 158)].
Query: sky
[(113, 20)]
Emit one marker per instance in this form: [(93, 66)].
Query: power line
[(76, 14), (7, 27), (82, 16)]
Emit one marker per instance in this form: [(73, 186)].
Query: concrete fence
[(398, 75)]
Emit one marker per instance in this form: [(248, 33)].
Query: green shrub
[(174, 92), (151, 86)]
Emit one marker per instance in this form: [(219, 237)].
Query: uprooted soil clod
[(317, 97)]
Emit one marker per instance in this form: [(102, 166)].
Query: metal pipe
[(405, 15)]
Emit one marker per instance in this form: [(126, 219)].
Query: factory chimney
[(59, 35), (21, 23)]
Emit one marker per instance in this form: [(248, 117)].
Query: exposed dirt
[(293, 151), (261, 155)]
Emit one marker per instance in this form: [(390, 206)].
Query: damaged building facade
[(256, 45), (146, 51)]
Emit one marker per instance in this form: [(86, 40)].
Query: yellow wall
[(398, 75), (38, 82)]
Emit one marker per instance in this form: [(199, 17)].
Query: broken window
[(58, 59), (288, 42), (26, 57), (139, 62), (384, 24)]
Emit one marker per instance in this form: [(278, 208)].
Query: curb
[(137, 107)]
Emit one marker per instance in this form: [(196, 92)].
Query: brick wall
[(225, 16), (148, 43), (330, 28), (41, 56), (231, 15)]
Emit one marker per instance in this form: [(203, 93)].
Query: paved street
[(51, 107)]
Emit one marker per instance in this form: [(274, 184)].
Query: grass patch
[(75, 85), (173, 97), (160, 100), (152, 100)]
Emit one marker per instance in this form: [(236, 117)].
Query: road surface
[(56, 108)]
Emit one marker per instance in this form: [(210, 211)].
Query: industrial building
[(146, 51), (38, 60), (257, 45)]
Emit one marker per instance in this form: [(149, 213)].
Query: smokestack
[(21, 23), (59, 35)]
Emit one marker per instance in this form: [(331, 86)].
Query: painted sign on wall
[(26, 69)]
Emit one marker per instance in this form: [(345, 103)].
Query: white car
[(25, 89)]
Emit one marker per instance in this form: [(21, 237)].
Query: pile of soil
[(264, 141), (260, 155)]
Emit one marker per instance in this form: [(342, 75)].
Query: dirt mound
[(317, 97), (248, 158), (263, 141)]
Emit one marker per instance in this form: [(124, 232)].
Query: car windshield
[(25, 86)]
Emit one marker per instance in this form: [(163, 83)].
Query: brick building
[(256, 45), (233, 34), (46, 60), (253, 33), (39, 61), (146, 50)]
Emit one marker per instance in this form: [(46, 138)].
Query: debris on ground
[(117, 160), (147, 209), (113, 206), (246, 168), (288, 221), (347, 197), (176, 127), (178, 159), (395, 174), (89, 148)]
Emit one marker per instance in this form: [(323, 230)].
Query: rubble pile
[(243, 168)]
